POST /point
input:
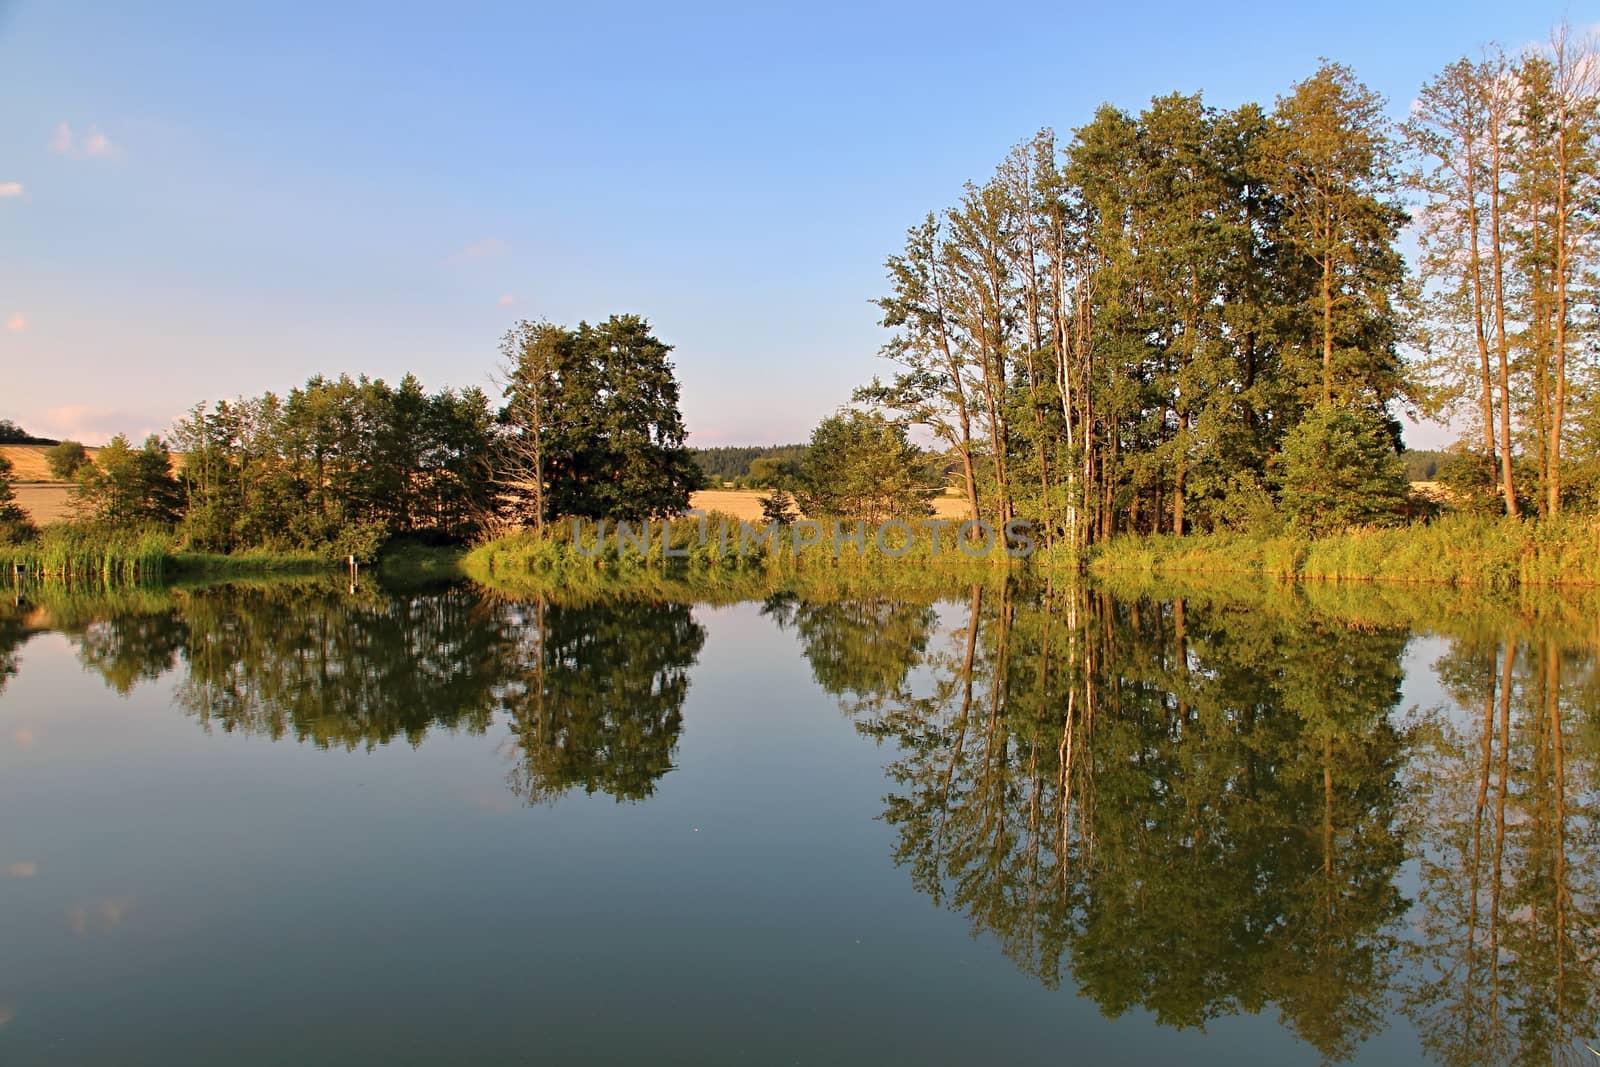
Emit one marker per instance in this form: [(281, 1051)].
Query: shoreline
[(1456, 551)]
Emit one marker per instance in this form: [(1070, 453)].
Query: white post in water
[(354, 566)]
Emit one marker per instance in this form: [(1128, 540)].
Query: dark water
[(291, 824)]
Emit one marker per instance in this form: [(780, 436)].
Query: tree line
[(744, 464), (587, 426), (1178, 319)]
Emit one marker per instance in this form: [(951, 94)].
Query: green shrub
[(1340, 470)]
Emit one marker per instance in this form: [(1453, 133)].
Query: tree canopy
[(861, 466), (591, 425)]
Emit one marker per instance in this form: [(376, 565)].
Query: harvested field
[(746, 503), (45, 501), (28, 462)]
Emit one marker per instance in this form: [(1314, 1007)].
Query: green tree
[(1330, 156), (1340, 469), (591, 426), (127, 486), (934, 388), (778, 507), (1453, 133), (861, 466), (770, 472), (14, 522), (66, 458)]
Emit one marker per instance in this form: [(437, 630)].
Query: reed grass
[(574, 557), (251, 561), (85, 551), (1462, 550)]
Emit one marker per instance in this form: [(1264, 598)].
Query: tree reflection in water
[(598, 703), (1195, 802), (593, 694), (1200, 805)]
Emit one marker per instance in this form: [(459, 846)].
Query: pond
[(1204, 823)]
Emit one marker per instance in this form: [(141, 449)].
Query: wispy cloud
[(22, 869), (16, 322), (96, 143), (507, 300), (92, 144), (487, 248), (9, 189)]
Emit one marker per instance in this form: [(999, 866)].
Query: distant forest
[(730, 463), (12, 434), (1422, 465)]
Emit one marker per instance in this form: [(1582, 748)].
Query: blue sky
[(199, 200)]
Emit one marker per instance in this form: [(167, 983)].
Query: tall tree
[(1450, 133), (533, 353), (1552, 151), (127, 486), (932, 389), (1331, 159), (591, 423)]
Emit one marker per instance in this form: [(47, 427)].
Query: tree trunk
[(1479, 332), (1502, 350), (1327, 315)]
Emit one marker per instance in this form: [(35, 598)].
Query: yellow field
[(43, 497), (45, 501), (28, 463), (746, 503)]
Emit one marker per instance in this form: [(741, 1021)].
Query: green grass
[(86, 551), (712, 567), (252, 561), (1462, 550), (81, 551)]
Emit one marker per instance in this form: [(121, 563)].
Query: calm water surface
[(292, 824)]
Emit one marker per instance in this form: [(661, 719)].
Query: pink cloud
[(92, 425), (96, 143), (92, 145), (17, 322)]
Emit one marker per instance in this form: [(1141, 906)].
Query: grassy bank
[(725, 561), (86, 552), (69, 550), (728, 559), (1457, 550)]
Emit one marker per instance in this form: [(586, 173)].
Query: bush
[(66, 459), (1340, 470), (363, 540)]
